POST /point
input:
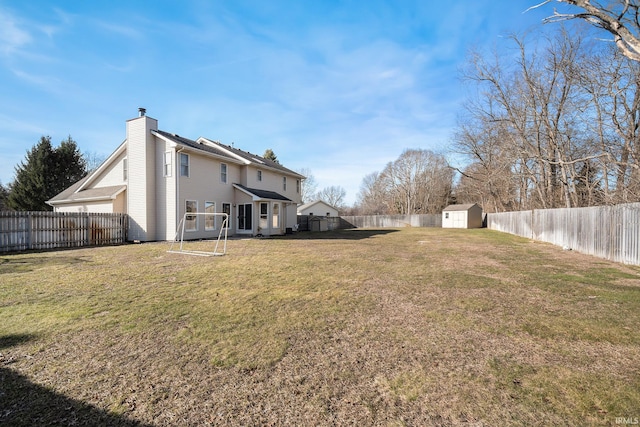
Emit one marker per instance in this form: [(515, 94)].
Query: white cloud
[(12, 36)]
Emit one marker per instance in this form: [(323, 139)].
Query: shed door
[(459, 219)]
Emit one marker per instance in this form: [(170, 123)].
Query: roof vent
[(142, 111)]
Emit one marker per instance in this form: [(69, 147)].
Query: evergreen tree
[(270, 155), (70, 165), (44, 173), (4, 195)]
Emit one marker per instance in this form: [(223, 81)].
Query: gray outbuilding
[(462, 216)]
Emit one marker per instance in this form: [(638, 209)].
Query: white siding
[(203, 185), (141, 186), (93, 207), (319, 209), (165, 202), (111, 176)]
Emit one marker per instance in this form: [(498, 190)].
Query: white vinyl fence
[(21, 231), (610, 232)]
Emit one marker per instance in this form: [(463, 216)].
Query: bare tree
[(419, 181), (370, 198), (620, 18), (613, 84), (333, 195), (309, 185), (93, 159), (534, 103), (488, 180)]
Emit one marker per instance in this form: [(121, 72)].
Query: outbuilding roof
[(460, 207), (315, 202)]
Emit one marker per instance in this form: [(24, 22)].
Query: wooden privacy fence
[(395, 221), (610, 232), (333, 222), (21, 231)]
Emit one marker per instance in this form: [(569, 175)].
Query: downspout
[(176, 220)]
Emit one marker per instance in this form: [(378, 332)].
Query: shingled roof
[(255, 159), (262, 194), (72, 194), (192, 144)]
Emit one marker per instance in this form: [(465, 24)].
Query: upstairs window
[(284, 183), (223, 173), (259, 176), (297, 186), (125, 169), (167, 163), (184, 164)]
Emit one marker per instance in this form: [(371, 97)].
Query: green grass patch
[(416, 326)]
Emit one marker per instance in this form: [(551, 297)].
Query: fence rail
[(610, 232), (395, 221), (305, 222), (21, 231)]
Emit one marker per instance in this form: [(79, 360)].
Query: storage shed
[(462, 216)]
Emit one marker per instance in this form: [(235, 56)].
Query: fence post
[(87, 229), (29, 230)]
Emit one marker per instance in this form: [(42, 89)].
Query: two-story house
[(156, 177)]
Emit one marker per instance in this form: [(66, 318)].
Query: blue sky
[(337, 87)]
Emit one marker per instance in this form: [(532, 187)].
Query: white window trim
[(263, 218), (226, 173), (274, 216), (185, 210), (188, 165), (229, 213), (205, 217), (167, 165)]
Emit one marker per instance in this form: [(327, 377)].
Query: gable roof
[(310, 204), (460, 207), (258, 194), (177, 139), (77, 191), (86, 181), (249, 158), (231, 153), (73, 194)]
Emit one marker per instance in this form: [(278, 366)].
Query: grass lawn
[(390, 327)]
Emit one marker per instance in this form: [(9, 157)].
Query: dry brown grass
[(358, 327)]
